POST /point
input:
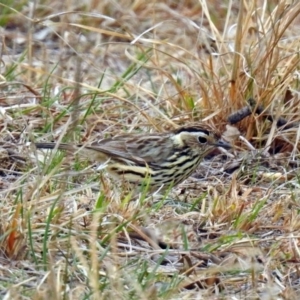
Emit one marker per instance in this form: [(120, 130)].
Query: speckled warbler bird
[(165, 159)]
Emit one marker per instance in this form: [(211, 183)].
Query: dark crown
[(192, 129)]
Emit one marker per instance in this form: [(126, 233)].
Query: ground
[(78, 72)]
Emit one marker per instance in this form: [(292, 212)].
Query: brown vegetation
[(79, 72)]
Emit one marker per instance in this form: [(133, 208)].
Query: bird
[(160, 160)]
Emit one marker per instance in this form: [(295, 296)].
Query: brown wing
[(139, 149)]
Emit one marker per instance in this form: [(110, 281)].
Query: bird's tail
[(53, 145)]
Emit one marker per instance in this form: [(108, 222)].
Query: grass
[(82, 72)]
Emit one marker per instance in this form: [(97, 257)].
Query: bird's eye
[(202, 140)]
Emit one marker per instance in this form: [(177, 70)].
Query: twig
[(253, 108)]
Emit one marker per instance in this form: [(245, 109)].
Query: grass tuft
[(80, 72)]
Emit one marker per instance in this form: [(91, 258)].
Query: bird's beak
[(223, 144)]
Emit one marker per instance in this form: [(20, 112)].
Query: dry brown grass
[(80, 72)]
